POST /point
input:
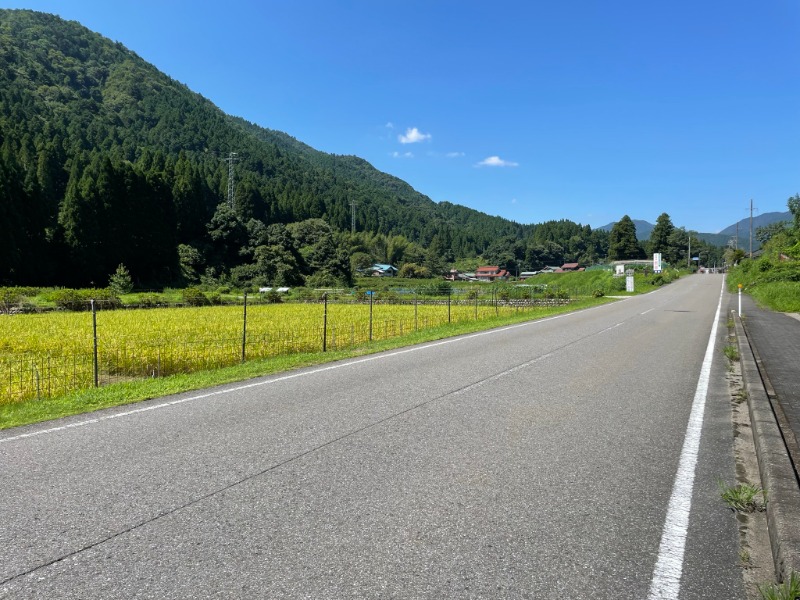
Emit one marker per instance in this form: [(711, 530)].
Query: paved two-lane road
[(535, 461)]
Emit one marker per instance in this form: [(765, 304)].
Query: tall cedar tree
[(659, 237), (622, 242)]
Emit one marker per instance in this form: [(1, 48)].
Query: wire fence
[(84, 351)]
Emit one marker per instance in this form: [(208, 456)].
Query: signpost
[(657, 262)]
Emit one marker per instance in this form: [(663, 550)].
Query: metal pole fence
[(244, 328), (325, 322), (95, 365)]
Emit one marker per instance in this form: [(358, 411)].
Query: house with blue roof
[(380, 270)]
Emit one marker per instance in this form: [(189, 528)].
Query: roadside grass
[(782, 296), (117, 394), (731, 352), (788, 590), (772, 284), (744, 497)]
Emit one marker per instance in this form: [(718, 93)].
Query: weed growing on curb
[(741, 396), (745, 558), (731, 352), (744, 497), (788, 590)]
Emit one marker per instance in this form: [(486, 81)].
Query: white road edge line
[(378, 356), (666, 581)]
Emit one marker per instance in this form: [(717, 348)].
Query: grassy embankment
[(772, 283)]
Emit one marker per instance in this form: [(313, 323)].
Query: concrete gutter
[(777, 473)]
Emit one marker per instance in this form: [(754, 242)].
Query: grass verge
[(83, 401), (788, 590), (744, 497)]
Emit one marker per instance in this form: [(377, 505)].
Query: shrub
[(388, 297), (273, 297), (149, 300), (194, 296), (598, 294), (68, 299), (618, 284), (764, 264)]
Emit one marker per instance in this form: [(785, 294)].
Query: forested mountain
[(105, 160)]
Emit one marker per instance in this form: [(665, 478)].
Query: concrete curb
[(777, 475)]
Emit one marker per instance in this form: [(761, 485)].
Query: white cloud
[(455, 154), (402, 155), (496, 161), (412, 136), (389, 125)]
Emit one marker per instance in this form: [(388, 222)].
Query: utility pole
[(232, 158), (689, 258), (751, 229)]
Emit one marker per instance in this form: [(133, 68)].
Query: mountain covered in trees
[(104, 160)]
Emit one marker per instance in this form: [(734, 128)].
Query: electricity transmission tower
[(232, 158)]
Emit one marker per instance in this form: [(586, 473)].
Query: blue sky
[(580, 110)]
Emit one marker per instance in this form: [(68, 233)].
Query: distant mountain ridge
[(724, 237), (758, 221)]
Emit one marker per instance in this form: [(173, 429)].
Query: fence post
[(476, 305), (95, 366), (416, 323), (244, 329), (371, 293), (449, 296), (325, 322)]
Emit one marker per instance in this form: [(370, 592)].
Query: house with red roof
[(491, 273)]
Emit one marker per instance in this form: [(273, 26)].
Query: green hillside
[(104, 160)]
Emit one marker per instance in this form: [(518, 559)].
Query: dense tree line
[(106, 161)]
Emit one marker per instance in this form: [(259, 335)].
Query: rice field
[(47, 355)]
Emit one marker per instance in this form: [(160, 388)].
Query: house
[(491, 273), (455, 275), (570, 267), (381, 270)]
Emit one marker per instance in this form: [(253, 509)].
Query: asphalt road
[(534, 461)]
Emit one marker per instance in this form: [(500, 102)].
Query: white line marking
[(612, 327), (666, 582), (647, 311), (378, 356)]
